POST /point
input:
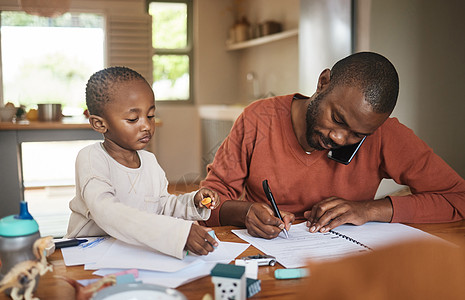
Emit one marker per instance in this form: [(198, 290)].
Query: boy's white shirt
[(132, 205)]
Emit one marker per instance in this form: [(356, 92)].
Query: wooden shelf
[(263, 40)]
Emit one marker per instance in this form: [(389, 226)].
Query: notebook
[(340, 242)]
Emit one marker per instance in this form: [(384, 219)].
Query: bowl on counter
[(7, 114), (49, 112)]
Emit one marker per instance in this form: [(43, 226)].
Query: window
[(172, 49), (49, 60)]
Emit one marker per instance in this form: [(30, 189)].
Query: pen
[(270, 197), (69, 243)]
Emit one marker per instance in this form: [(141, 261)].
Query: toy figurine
[(87, 292), (21, 280)]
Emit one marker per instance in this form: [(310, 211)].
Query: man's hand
[(334, 211), (261, 222), (199, 241)]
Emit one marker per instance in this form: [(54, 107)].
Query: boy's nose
[(145, 124)]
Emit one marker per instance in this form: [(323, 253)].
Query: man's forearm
[(233, 212)]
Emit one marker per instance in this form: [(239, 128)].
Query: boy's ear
[(98, 123), (323, 80)]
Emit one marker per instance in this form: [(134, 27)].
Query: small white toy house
[(229, 281)]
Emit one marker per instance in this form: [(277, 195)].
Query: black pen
[(69, 243), (270, 197)]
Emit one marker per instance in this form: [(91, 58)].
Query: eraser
[(291, 273), (125, 279)]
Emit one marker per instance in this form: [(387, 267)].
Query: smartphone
[(345, 154)]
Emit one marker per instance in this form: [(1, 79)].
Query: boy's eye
[(150, 117), (132, 120)]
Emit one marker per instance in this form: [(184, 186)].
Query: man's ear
[(98, 123), (323, 80)]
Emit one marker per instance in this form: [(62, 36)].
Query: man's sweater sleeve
[(438, 192)]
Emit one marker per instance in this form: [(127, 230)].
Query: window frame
[(188, 50)]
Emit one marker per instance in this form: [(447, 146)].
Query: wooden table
[(53, 288)]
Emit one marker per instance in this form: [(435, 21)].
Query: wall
[(178, 140), (325, 37), (220, 77), (275, 65), (424, 40)]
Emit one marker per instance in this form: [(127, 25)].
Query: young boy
[(121, 190)]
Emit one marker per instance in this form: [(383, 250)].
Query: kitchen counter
[(12, 135), (66, 123)]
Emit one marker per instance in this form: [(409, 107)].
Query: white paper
[(225, 252), (303, 245), (377, 235), (171, 279), (88, 252), (110, 253), (125, 256)]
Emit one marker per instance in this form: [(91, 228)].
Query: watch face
[(138, 291)]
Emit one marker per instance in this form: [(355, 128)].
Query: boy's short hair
[(101, 85)]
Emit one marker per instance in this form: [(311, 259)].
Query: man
[(286, 140)]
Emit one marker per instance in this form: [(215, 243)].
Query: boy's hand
[(206, 198), (199, 241)]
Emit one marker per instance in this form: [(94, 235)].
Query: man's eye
[(337, 121)]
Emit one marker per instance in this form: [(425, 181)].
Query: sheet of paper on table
[(303, 245), (111, 256)]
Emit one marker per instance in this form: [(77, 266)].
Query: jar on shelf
[(241, 30)]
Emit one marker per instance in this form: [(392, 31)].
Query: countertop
[(66, 123)]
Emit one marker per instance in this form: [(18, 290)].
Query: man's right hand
[(261, 222)]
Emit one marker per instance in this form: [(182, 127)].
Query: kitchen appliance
[(50, 112)]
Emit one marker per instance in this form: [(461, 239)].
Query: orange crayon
[(207, 202)]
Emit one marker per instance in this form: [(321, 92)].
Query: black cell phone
[(345, 154)]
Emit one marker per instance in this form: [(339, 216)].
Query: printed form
[(344, 241)]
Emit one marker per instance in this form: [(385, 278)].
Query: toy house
[(229, 281)]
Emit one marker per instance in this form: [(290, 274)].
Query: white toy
[(229, 281)]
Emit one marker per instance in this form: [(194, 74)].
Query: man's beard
[(313, 110)]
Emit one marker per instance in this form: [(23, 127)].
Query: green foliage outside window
[(170, 60), (169, 25)]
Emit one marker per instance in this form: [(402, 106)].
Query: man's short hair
[(101, 85), (373, 74)]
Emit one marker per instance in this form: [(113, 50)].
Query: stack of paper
[(109, 256)]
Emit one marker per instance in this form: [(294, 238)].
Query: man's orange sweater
[(262, 145)]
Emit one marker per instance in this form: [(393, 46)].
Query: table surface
[(51, 287)]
